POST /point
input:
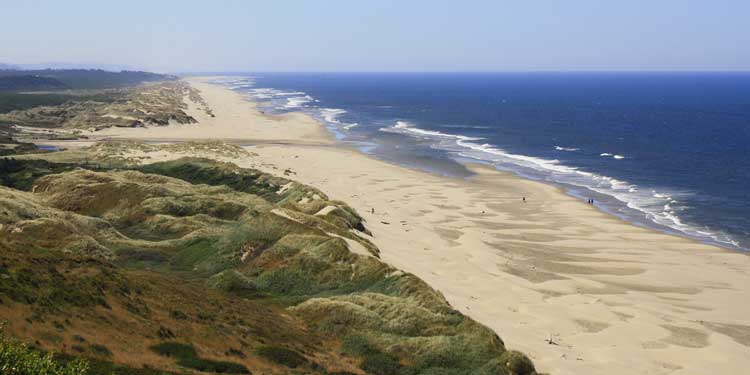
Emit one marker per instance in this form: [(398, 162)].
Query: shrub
[(206, 365), (380, 364), (18, 359), (357, 345), (100, 350), (236, 353), (165, 333), (516, 363), (178, 315), (106, 367), (174, 350), (187, 356), (282, 356)]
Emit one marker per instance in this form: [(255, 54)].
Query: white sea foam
[(330, 114), (235, 83), (401, 125), (535, 163), (289, 93), (294, 99), (261, 93), (466, 126), (233, 80), (661, 207), (297, 101), (405, 127)]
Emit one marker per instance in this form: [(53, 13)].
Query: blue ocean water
[(668, 150)]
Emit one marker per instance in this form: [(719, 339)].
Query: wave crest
[(659, 207)]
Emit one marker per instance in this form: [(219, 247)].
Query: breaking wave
[(661, 207)]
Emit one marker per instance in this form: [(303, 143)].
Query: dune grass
[(83, 236)]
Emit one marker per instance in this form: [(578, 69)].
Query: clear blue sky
[(381, 35)]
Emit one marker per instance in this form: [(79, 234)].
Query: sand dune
[(580, 291)]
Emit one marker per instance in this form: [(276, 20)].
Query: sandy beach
[(578, 290)]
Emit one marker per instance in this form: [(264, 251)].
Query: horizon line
[(200, 72)]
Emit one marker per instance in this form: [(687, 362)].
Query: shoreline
[(648, 204), (557, 279)]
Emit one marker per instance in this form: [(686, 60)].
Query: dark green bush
[(187, 356), (100, 350), (517, 363), (358, 345), (380, 364), (235, 352), (219, 367), (177, 314), (282, 356), (106, 367), (165, 333), (174, 350)]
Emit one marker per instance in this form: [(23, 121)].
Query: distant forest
[(75, 79)]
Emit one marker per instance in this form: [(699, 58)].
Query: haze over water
[(670, 150)]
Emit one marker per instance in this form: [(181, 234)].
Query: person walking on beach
[(524, 199)]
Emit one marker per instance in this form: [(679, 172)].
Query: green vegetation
[(107, 367), (282, 356), (230, 259), (148, 104), (89, 78), (30, 83), (18, 359), (100, 350), (516, 363), (21, 174), (59, 104), (13, 101), (187, 356)]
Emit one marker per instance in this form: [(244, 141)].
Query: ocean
[(665, 150)]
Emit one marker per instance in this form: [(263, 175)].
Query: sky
[(381, 35)]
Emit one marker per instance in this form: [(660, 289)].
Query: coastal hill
[(196, 265), (35, 103), (89, 78), (30, 83)]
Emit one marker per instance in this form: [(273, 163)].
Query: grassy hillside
[(10, 102), (153, 104), (36, 116), (30, 83), (198, 265), (62, 100), (79, 79)]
